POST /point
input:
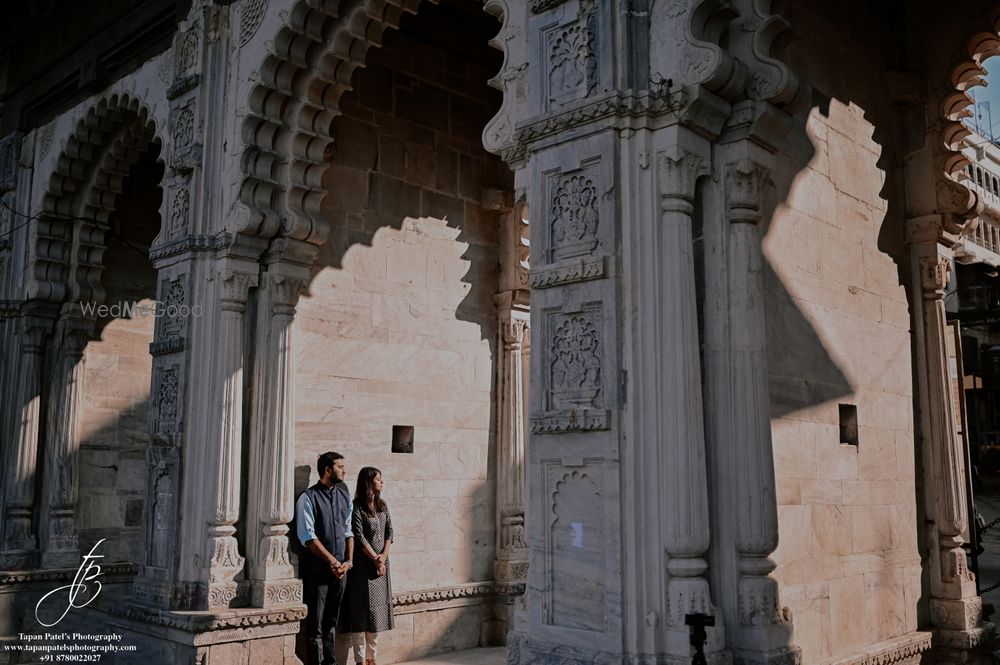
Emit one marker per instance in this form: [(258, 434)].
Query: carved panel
[(180, 205), (45, 135), (8, 161), (575, 361), (574, 213), (166, 400), (183, 125), (186, 53), (573, 371), (572, 61), (576, 540)]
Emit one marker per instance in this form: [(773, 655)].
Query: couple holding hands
[(345, 562)]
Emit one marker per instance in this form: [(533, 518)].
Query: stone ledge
[(453, 596), (211, 620), (905, 649), (111, 570)]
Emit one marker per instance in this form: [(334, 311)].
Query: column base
[(61, 558), (959, 615), (271, 593), (964, 647), (219, 637), (784, 656), (19, 560)]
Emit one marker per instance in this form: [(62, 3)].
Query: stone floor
[(484, 656)]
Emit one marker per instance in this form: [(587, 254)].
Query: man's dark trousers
[(322, 597)]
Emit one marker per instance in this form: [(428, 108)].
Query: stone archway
[(64, 271)]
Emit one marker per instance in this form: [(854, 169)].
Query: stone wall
[(399, 325), (838, 334)]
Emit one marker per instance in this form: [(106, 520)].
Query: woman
[(369, 592)]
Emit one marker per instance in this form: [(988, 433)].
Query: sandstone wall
[(838, 334)]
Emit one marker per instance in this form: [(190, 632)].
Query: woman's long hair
[(365, 492)]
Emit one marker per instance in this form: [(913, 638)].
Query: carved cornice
[(573, 270), (897, 651), (190, 243), (484, 590), (612, 106), (201, 622), (704, 62), (167, 346), (580, 420)]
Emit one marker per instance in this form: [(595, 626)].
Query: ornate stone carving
[(579, 270), (574, 214), (166, 400), (183, 131), (9, 146), (679, 172), (935, 272), (251, 15), (483, 590), (180, 203), (189, 243), (539, 6), (575, 364), (746, 182), (572, 67), (45, 135), (186, 53), (586, 420)]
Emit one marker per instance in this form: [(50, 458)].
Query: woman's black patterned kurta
[(368, 603)]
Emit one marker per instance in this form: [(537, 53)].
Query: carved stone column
[(226, 586), (513, 323), (761, 621), (512, 548), (59, 544), (956, 610), (270, 501), (19, 548), (744, 500), (668, 381)]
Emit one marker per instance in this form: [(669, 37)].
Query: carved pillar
[(226, 586), (668, 382), (753, 458), (512, 548), (741, 460), (955, 608), (273, 578), (57, 529), (20, 547), (513, 324)]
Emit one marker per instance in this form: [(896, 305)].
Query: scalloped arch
[(953, 196), (79, 199), (288, 131)]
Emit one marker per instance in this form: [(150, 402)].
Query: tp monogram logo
[(88, 571)]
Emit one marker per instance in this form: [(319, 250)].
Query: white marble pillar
[(19, 548), (226, 586), (955, 608), (60, 476), (669, 386), (270, 501)]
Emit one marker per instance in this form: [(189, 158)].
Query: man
[(323, 521)]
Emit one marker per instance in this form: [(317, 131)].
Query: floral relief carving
[(575, 367), (166, 401), (572, 62), (179, 207), (186, 52), (575, 216), (184, 127)]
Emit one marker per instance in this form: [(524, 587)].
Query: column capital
[(235, 285), (746, 184), (935, 272), (679, 170)]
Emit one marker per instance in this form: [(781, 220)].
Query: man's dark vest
[(330, 506)]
